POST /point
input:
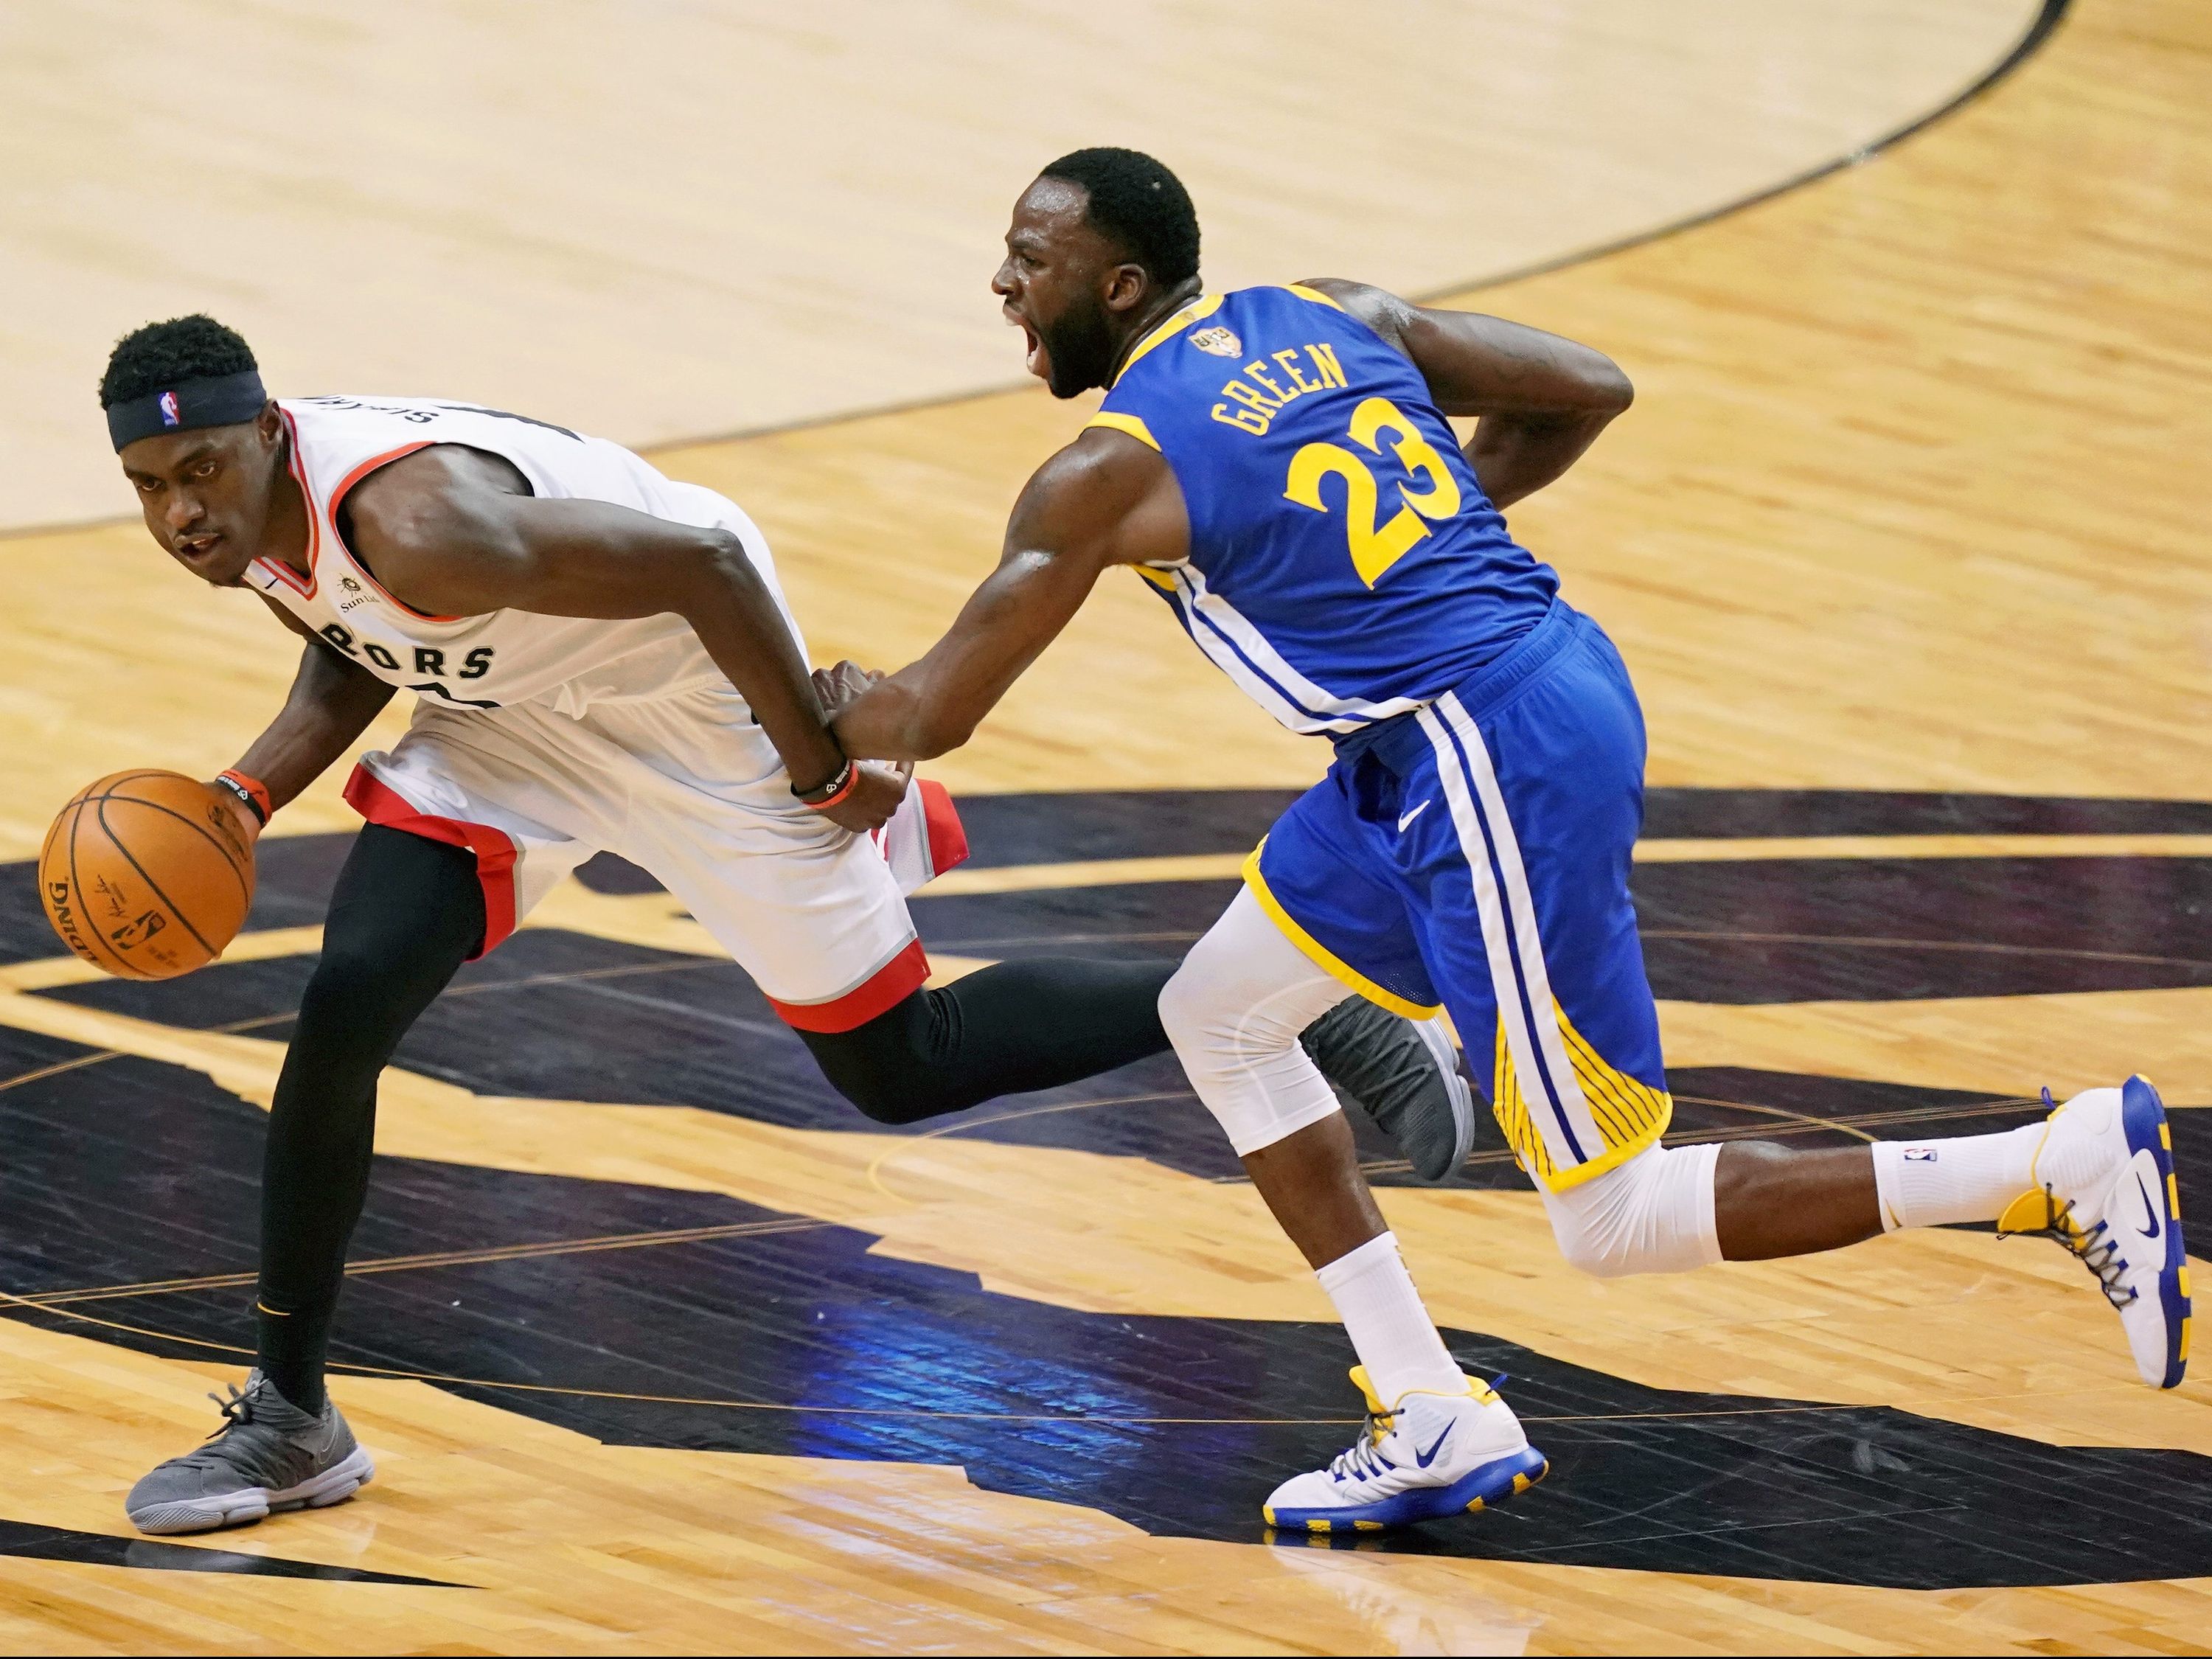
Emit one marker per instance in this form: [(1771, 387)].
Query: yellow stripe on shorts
[(1630, 1114)]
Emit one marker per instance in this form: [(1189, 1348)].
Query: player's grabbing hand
[(840, 686), (837, 688)]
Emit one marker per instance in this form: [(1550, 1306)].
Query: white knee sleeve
[(1654, 1214), (1234, 1010)]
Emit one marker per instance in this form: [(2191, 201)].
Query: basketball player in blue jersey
[(1277, 464)]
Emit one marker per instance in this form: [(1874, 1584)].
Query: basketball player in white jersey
[(602, 661)]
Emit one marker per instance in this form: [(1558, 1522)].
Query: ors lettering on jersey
[(1345, 566), (421, 659), (502, 657)]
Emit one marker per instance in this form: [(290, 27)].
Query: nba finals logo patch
[(1218, 341), (170, 415)]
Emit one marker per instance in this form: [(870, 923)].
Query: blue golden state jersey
[(1345, 566)]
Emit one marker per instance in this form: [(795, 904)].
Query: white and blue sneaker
[(2105, 1190), (1430, 1455)]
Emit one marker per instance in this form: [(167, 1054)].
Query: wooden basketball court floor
[(659, 1346)]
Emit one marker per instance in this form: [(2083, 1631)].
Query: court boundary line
[(439, 1379)]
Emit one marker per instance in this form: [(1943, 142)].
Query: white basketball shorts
[(688, 788)]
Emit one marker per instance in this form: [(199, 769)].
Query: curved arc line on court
[(2038, 34), (2031, 40)]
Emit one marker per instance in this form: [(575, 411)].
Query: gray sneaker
[(270, 1455), (1404, 1073)]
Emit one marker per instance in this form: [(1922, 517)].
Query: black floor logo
[(754, 1331)]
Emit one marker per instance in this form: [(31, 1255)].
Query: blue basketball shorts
[(1474, 855)]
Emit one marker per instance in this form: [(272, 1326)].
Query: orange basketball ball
[(146, 875)]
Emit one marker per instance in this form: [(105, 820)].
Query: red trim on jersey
[(495, 853), (891, 984), (277, 567), (948, 836), (338, 500)]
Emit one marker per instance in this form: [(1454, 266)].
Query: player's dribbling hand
[(875, 794), (249, 827)]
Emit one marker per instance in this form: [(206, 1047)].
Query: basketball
[(145, 875)]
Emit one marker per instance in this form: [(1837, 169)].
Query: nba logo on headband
[(210, 400)]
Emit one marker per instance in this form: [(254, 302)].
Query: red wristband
[(252, 791), (845, 785)]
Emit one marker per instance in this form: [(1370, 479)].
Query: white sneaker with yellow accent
[(2105, 1189), (1430, 1454)]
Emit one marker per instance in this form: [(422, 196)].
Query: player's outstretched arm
[(332, 702), (1097, 503), (448, 531), (1541, 399)]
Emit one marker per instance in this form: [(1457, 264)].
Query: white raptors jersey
[(504, 656)]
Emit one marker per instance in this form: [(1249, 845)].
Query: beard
[(1079, 350)]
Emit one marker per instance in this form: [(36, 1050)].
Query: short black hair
[(159, 355), (1140, 205)]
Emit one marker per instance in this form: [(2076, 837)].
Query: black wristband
[(823, 793), (245, 799)]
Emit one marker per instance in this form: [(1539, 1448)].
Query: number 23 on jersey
[(1374, 543)]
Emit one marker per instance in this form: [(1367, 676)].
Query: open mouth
[(195, 549), (1033, 352)]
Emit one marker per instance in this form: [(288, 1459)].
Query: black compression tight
[(405, 914), (1001, 1030), (408, 912)]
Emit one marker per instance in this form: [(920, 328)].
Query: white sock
[(1390, 1330), (1927, 1183)]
